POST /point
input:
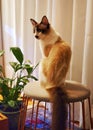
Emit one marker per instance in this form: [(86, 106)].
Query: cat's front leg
[(42, 73)]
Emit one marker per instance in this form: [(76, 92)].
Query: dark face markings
[(42, 28)]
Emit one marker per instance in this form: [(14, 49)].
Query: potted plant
[(11, 88)]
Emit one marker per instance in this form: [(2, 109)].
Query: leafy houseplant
[(11, 88)]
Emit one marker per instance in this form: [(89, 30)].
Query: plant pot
[(15, 119)]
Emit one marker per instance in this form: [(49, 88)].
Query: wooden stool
[(76, 93)]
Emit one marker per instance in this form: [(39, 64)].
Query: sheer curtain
[(73, 19)]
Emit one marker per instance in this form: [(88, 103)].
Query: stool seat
[(35, 91), (76, 91)]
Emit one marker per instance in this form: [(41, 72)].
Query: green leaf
[(1, 68), (11, 103), (1, 52), (18, 67), (23, 81), (29, 68), (5, 89), (15, 66), (33, 77), (18, 54), (35, 66)]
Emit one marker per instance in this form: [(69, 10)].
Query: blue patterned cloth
[(41, 124)]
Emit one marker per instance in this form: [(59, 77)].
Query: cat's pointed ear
[(34, 23), (44, 20)]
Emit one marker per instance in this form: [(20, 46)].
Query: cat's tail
[(59, 108)]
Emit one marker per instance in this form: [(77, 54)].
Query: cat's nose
[(36, 36)]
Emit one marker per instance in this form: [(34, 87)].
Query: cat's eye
[(39, 30)]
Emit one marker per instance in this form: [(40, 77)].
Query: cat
[(56, 57)]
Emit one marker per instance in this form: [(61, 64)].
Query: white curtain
[(73, 19)]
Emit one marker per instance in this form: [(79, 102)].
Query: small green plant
[(11, 88)]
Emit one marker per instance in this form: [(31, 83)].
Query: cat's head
[(40, 29)]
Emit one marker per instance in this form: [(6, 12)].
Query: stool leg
[(36, 114), (22, 117), (90, 111), (73, 116), (45, 113), (69, 115), (32, 112), (83, 114)]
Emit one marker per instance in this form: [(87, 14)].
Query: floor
[(41, 124)]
